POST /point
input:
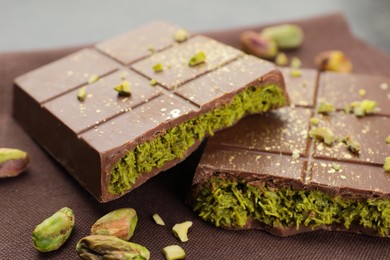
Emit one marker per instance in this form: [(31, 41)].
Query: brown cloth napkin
[(46, 187)]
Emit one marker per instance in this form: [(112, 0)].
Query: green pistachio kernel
[(295, 63), (287, 36), (295, 155), (181, 230), (325, 107), (336, 166), (281, 59), (314, 121), (158, 67), (174, 252), (295, 73), (351, 144), (387, 140), (322, 133), (53, 232), (153, 82), (158, 219), (124, 88), (181, 35), (197, 59), (362, 108), (386, 165), (93, 78), (82, 94)]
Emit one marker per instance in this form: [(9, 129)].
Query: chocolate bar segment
[(111, 142), (267, 172)]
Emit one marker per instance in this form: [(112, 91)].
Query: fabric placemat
[(46, 187)]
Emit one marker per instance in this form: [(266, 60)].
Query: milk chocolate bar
[(275, 172), (119, 112)]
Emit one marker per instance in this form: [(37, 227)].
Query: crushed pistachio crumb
[(82, 94), (325, 107), (153, 82), (336, 166), (123, 89), (295, 63), (158, 67), (386, 165), (158, 219), (323, 134), (295, 73), (93, 78), (362, 108), (387, 140), (281, 59), (197, 59), (295, 155), (151, 49), (352, 145), (181, 35), (314, 121), (362, 92)]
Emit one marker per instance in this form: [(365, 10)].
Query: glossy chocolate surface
[(88, 137)]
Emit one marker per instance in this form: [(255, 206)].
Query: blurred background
[(28, 24)]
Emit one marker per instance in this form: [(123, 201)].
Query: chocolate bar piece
[(173, 91), (268, 173)]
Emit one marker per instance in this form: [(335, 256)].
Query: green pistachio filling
[(231, 204), (177, 140)]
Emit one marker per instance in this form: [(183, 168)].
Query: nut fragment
[(361, 108), (351, 144), (286, 36), (53, 232), (82, 94), (258, 45), (386, 165), (325, 107), (180, 230), (12, 162), (174, 252), (181, 35), (281, 59), (120, 223), (124, 88), (333, 61), (322, 133), (158, 219), (197, 59), (110, 247)]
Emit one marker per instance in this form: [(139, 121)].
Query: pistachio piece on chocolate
[(257, 45), (53, 232), (120, 223), (336, 166), (158, 67), (174, 252), (295, 63), (351, 144), (181, 230), (158, 219), (295, 73), (333, 61), (12, 162), (387, 140), (323, 134), (286, 36), (82, 94), (386, 165), (181, 35), (153, 82), (362, 108), (325, 107), (124, 88), (281, 59), (93, 78), (197, 59), (362, 92), (110, 247), (314, 121)]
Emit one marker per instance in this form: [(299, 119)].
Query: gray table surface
[(28, 24)]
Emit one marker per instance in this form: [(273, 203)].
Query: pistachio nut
[(110, 247), (258, 45), (53, 232), (281, 59), (174, 252), (286, 36), (120, 223), (180, 230), (12, 162), (322, 133), (386, 165), (333, 61), (158, 219), (351, 144)]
